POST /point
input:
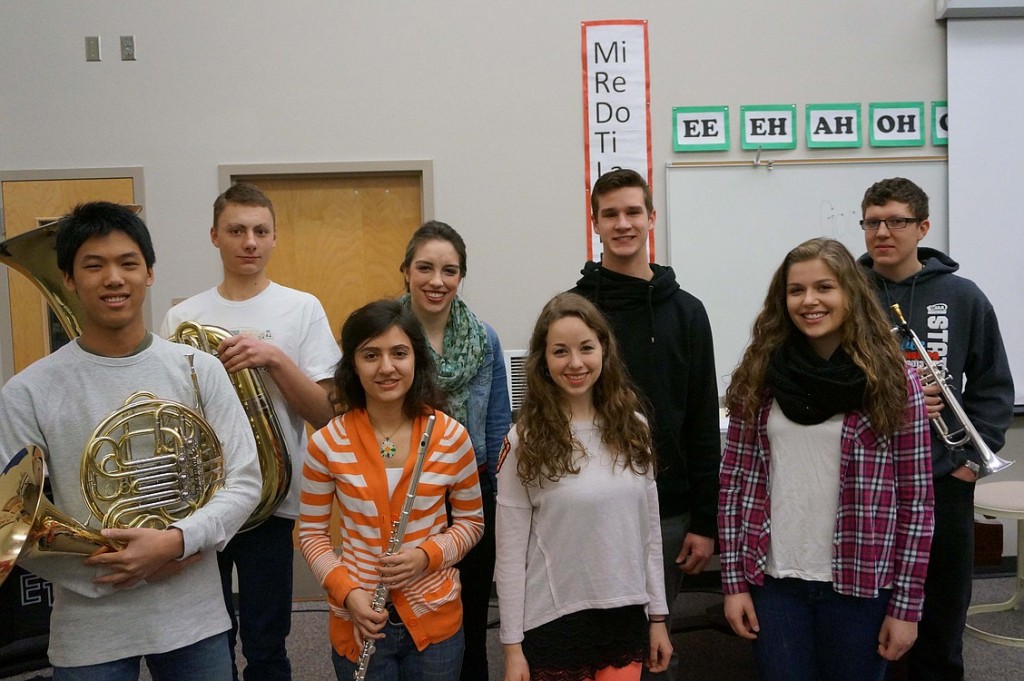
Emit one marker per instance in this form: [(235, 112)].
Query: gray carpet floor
[(706, 654)]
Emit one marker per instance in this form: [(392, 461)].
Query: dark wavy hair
[(898, 189), (368, 322), (866, 338), (547, 448), (99, 218)]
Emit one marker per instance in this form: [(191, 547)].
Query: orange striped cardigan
[(343, 465)]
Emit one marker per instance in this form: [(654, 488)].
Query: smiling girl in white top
[(579, 572)]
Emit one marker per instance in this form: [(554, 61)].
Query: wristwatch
[(972, 467)]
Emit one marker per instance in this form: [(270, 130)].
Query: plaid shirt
[(884, 525)]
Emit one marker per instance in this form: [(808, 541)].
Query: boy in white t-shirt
[(284, 333)]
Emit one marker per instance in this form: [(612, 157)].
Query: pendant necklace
[(388, 448), (588, 446)]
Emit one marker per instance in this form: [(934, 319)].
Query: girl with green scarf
[(471, 372)]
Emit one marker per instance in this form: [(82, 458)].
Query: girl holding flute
[(363, 461)]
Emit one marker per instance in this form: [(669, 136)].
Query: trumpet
[(936, 373)]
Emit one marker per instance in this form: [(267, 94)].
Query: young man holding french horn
[(158, 594), (956, 326)]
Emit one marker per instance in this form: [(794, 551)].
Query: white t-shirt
[(292, 320)]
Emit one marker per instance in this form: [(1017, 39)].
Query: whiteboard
[(731, 224), (984, 170)]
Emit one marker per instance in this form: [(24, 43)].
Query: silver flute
[(380, 594)]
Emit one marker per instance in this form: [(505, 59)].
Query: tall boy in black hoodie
[(665, 338), (958, 327)]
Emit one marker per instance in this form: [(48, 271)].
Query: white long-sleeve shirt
[(589, 540)]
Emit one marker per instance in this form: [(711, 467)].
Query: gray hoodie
[(958, 326)]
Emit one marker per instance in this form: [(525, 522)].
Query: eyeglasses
[(892, 223)]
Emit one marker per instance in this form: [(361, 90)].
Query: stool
[(1002, 500)]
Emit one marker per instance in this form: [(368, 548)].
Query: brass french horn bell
[(29, 523)]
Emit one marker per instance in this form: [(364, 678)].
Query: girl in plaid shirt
[(825, 509)]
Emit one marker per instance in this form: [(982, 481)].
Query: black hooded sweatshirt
[(665, 339)]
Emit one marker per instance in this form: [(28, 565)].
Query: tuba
[(275, 464), (966, 433), (180, 465)]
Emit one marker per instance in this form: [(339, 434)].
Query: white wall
[(491, 92)]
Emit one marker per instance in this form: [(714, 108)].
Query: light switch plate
[(92, 48)]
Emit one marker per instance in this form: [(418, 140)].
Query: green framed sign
[(700, 128), (896, 124), (768, 126), (940, 125), (831, 126)]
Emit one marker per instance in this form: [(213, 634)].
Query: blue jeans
[(207, 659), (263, 558), (809, 632), (397, 658)]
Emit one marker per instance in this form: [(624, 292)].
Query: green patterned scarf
[(462, 354)]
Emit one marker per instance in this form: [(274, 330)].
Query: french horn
[(275, 463)]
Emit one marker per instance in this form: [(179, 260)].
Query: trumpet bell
[(29, 523)]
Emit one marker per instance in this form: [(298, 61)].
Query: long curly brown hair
[(547, 448), (866, 338)]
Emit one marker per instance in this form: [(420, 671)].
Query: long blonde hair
[(546, 445), (866, 338)]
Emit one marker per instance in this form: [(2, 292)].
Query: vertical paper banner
[(616, 106)]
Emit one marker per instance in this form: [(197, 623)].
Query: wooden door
[(25, 203), (342, 237)]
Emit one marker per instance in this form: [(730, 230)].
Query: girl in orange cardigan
[(363, 460)]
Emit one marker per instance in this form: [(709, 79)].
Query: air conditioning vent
[(515, 374)]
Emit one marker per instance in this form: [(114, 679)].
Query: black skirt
[(575, 647)]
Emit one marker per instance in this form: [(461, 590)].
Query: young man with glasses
[(958, 326)]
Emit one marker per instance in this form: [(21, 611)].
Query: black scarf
[(811, 389)]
